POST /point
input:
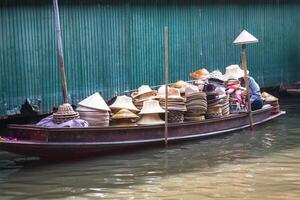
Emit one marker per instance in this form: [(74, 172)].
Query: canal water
[(259, 164)]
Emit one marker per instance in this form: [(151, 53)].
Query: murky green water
[(262, 164)]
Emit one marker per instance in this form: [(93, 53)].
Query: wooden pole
[(60, 51), (166, 82), (244, 65)]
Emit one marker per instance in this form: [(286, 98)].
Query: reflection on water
[(262, 164)]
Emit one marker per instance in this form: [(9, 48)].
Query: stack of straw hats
[(176, 104), (144, 93), (124, 111), (273, 101), (150, 113), (196, 104), (223, 100), (214, 106), (124, 117), (64, 113), (94, 110)]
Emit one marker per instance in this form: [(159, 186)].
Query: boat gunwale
[(188, 123), (80, 144)]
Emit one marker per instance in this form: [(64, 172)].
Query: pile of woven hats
[(144, 93), (196, 104), (124, 111), (181, 85), (214, 106), (94, 110), (64, 113), (223, 100), (176, 104), (273, 101), (150, 113)]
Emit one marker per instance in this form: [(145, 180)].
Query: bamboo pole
[(244, 65), (166, 82), (60, 51)]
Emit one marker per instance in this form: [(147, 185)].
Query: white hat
[(142, 90), (95, 101), (245, 38), (150, 119), (234, 71), (151, 106), (191, 90), (123, 102), (216, 74)]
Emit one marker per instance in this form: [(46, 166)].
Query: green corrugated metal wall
[(112, 46)]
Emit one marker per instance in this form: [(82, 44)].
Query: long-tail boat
[(78, 143)]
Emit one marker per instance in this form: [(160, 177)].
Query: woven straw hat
[(181, 85), (65, 113), (191, 90), (123, 102), (143, 90), (150, 119), (216, 74), (95, 101), (124, 114), (201, 74), (234, 72), (173, 93), (151, 106)]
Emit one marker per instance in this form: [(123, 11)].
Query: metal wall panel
[(113, 46)]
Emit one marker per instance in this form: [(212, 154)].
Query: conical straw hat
[(95, 101), (123, 102), (150, 119), (151, 106), (142, 90), (245, 38), (124, 114)]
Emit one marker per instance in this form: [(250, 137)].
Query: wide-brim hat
[(201, 74), (173, 93), (151, 107), (150, 119), (181, 85), (143, 90), (124, 114), (234, 72), (123, 102), (217, 75), (95, 101)]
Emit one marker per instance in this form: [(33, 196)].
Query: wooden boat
[(76, 143)]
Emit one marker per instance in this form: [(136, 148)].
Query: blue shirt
[(254, 90)]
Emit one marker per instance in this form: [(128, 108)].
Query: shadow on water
[(26, 179)]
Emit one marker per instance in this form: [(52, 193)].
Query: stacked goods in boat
[(64, 113), (176, 104), (196, 104), (214, 107), (273, 101), (181, 85), (124, 117), (94, 110), (144, 93), (150, 113)]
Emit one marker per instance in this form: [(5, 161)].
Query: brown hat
[(124, 114)]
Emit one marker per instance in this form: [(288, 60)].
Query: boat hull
[(70, 143)]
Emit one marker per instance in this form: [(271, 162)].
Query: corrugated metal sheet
[(113, 46)]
